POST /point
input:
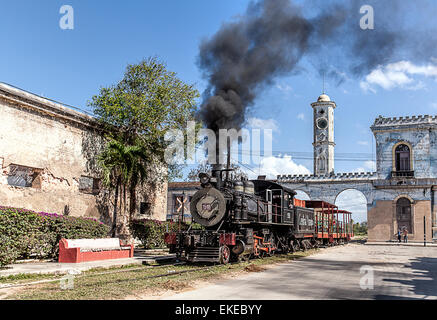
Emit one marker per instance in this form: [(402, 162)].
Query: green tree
[(136, 113), (123, 167)]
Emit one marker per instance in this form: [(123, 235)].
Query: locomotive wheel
[(225, 254), (239, 247)]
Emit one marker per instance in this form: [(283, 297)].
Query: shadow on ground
[(423, 280)]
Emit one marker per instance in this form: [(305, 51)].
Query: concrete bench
[(83, 250)]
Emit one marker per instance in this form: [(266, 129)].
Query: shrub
[(7, 252), (151, 232), (59, 227), (27, 233)]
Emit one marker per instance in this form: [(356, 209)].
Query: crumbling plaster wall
[(31, 139), (423, 142), (64, 151)]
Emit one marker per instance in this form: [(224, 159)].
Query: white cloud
[(433, 105), (257, 123), (274, 166), (284, 88), (301, 195), (398, 74), (368, 166), (301, 116), (363, 143), (354, 201)]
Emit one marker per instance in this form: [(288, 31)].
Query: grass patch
[(91, 285), (24, 277)]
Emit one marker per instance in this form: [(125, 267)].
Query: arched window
[(403, 214), (402, 158)]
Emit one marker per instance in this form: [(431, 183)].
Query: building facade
[(401, 194), (178, 200), (48, 160)]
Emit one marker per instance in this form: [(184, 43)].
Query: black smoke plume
[(273, 36)]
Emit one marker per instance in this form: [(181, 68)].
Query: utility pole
[(424, 231)]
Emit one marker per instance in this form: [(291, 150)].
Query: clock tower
[(323, 135)]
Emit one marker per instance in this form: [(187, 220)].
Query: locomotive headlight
[(204, 178)]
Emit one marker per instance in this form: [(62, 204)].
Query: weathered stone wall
[(37, 140), (62, 145), (382, 223), (419, 132)]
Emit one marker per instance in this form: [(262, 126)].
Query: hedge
[(29, 234), (151, 232)]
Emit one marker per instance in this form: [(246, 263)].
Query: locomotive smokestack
[(217, 167)]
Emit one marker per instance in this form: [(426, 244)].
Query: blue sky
[(71, 65)]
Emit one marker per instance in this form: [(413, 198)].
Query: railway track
[(161, 275), (168, 273)]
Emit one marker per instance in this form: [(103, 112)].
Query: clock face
[(322, 123)]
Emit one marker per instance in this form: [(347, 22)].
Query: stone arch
[(412, 212), (358, 206), (395, 200), (394, 154), (302, 192)]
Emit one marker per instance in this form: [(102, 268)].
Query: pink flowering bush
[(151, 232), (29, 234)]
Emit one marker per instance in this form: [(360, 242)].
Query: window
[(403, 214), (402, 158), (89, 185), (21, 176), (145, 208)]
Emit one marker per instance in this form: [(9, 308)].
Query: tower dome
[(324, 98)]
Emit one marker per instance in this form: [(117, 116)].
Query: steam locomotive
[(254, 218)]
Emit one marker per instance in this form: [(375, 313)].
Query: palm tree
[(124, 167)]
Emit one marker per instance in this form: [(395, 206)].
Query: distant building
[(401, 194), (48, 156), (178, 200)]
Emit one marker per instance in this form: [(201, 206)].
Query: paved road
[(400, 272)]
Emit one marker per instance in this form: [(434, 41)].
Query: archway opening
[(354, 201), (302, 195), (403, 214)]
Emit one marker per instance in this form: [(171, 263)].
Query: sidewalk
[(395, 243), (63, 268)]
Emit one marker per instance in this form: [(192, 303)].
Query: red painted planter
[(75, 255)]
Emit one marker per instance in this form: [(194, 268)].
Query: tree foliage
[(147, 102), (137, 112), (360, 228)]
